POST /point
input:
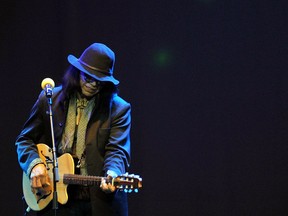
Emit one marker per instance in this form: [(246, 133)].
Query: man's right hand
[(39, 177)]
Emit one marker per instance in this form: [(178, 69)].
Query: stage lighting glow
[(162, 58)]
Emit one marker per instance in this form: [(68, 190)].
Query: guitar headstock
[(128, 182)]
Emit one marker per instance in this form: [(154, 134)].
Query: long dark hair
[(71, 84), (71, 81)]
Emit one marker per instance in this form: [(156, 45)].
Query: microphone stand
[(54, 159)]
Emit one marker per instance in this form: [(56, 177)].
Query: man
[(92, 123)]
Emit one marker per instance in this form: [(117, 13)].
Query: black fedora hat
[(97, 61)]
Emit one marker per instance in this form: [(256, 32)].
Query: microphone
[(47, 85)]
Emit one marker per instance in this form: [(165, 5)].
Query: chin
[(88, 94)]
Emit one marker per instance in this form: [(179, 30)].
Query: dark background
[(207, 80)]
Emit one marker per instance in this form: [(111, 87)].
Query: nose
[(94, 83)]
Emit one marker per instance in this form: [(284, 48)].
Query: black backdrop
[(207, 80)]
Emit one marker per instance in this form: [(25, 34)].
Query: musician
[(92, 123)]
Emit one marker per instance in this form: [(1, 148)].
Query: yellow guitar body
[(38, 200)]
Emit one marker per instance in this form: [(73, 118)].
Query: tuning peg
[(128, 190)]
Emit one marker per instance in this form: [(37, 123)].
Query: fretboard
[(81, 180)]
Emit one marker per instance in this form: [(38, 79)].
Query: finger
[(32, 182), (46, 183), (103, 182), (43, 179), (104, 185), (38, 183), (108, 188), (111, 188)]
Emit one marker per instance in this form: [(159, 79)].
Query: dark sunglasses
[(89, 79)]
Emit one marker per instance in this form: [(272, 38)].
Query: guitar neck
[(82, 180), (123, 182)]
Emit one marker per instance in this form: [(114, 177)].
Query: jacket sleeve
[(117, 150), (30, 136)]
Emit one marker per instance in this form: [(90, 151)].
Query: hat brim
[(93, 73)]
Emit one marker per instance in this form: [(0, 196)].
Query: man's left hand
[(107, 188)]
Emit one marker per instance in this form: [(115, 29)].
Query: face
[(89, 86)]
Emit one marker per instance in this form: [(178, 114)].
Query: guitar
[(39, 199)]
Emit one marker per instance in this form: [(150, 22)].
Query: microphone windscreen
[(47, 81)]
